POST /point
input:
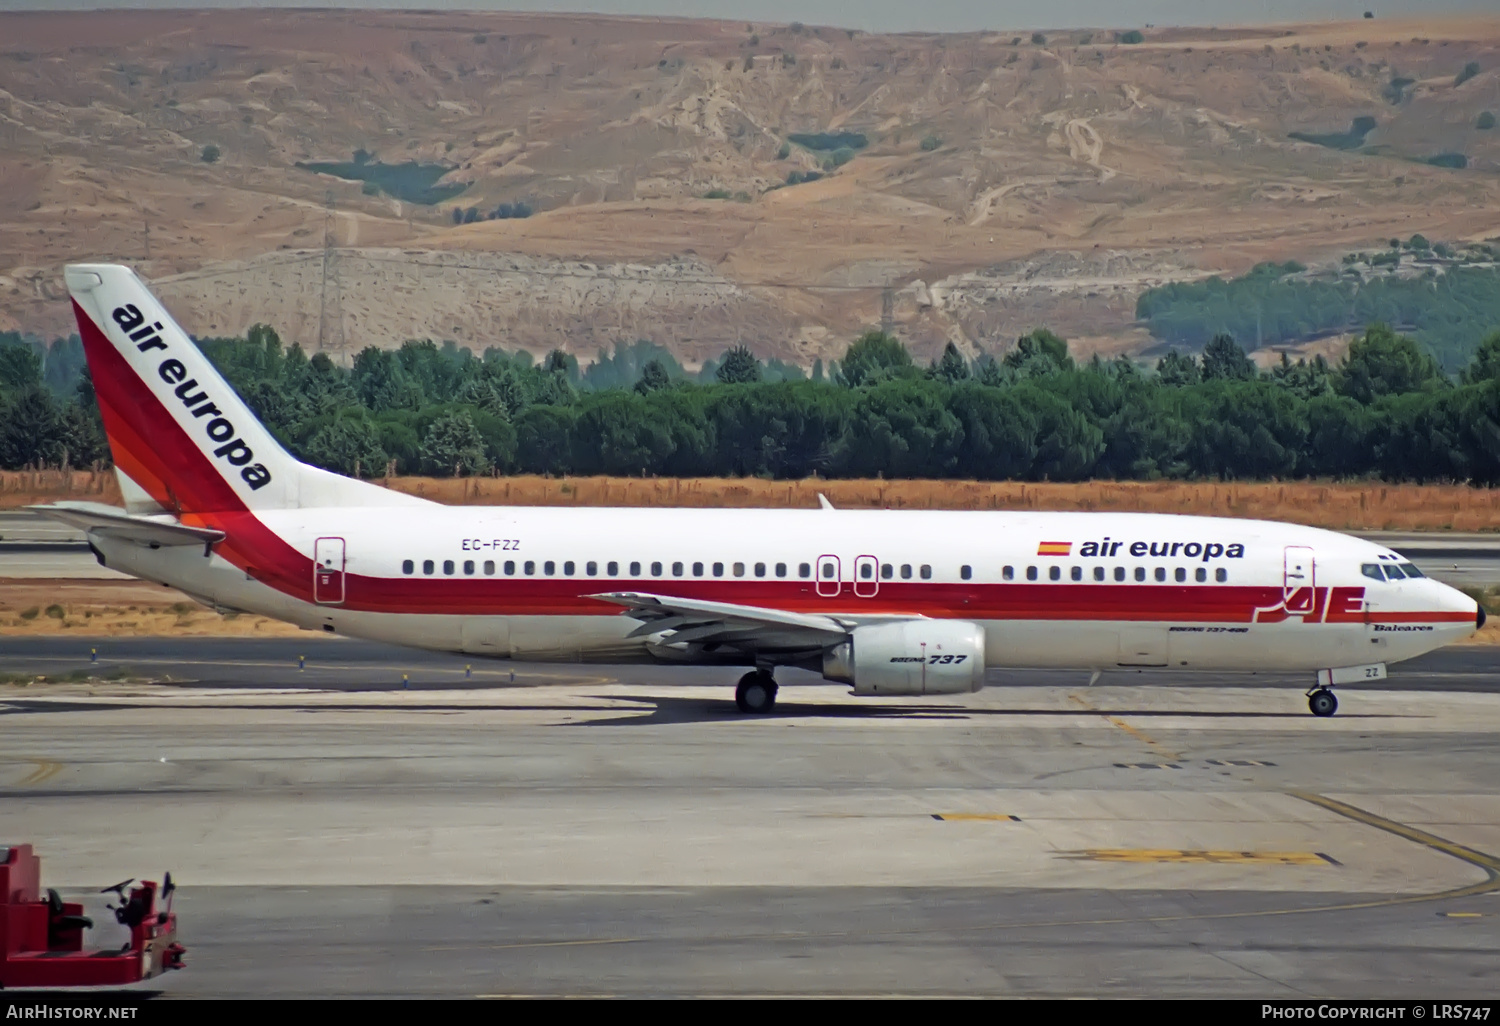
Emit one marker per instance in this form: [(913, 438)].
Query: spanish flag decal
[(1054, 548)]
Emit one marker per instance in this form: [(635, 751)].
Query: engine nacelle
[(910, 657)]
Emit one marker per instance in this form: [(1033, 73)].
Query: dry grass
[(1340, 506), (120, 608)]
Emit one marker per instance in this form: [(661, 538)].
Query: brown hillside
[(1064, 178)]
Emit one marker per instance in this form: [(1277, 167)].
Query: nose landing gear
[(756, 692), (1322, 702)]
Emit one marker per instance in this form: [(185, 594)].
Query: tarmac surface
[(624, 831)]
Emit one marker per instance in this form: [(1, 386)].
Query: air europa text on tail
[(228, 446)]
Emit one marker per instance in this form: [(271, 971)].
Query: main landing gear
[(1322, 702), (756, 692)]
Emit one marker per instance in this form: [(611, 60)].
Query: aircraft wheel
[(1322, 702), (756, 693)]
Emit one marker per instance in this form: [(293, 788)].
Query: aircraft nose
[(1479, 617)]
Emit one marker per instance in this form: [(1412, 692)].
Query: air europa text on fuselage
[(229, 446), (1168, 550)]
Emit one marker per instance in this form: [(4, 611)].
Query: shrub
[(1485, 121), (1039, 39), (30, 614), (411, 181), (931, 143), (841, 156), (1133, 36), (55, 611), (784, 152), (798, 177), (1456, 161), (210, 154), (717, 194), (829, 140), (1470, 70), (370, 189)]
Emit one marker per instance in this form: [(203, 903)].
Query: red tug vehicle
[(41, 936)]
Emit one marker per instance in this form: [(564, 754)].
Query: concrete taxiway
[(622, 830)]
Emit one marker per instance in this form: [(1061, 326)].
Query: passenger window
[(1098, 573), (447, 566), (926, 572), (529, 567), (427, 566), (887, 571), (549, 568), (1007, 573), (906, 571), (1054, 572), (1031, 573), (407, 566), (1200, 575), (780, 569), (739, 570), (803, 569), (866, 571), (1181, 575), (1411, 570), (612, 568), (469, 567), (510, 567), (1119, 573), (966, 572), (719, 570), (635, 569), (1161, 573), (489, 568), (697, 569), (1140, 573), (676, 569), (591, 568), (760, 569), (1076, 573), (1221, 575), (1393, 572), (568, 568), (655, 569)]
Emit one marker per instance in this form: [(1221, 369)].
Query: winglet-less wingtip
[(823, 501)]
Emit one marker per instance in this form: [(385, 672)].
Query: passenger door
[(829, 576), (328, 571), (866, 576), (1298, 579)]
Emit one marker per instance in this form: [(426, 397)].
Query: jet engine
[(910, 657)]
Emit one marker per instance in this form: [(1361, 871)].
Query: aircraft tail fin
[(182, 440)]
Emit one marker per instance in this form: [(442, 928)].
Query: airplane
[(892, 603)]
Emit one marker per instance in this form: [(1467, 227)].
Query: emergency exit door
[(328, 571)]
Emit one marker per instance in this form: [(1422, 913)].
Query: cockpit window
[(1411, 570), (1372, 571), (1393, 572)]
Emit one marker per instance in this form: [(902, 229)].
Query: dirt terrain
[(1005, 184)]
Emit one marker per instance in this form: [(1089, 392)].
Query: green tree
[(1037, 353), (453, 446), (1224, 359), (739, 367), (1381, 362), (209, 154), (874, 357), (1176, 369), (349, 446), (951, 366), (1486, 365)]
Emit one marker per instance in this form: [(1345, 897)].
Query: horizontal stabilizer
[(94, 517)]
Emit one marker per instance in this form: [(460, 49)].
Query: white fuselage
[(1085, 590)]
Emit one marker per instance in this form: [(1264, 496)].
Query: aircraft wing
[(98, 518), (695, 626)]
